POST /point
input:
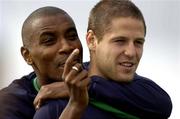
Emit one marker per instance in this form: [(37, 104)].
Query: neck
[(93, 69), (42, 81)]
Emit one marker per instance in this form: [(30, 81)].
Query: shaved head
[(49, 36), (41, 12)]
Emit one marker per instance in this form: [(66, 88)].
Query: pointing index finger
[(70, 62)]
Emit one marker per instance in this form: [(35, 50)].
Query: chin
[(125, 78)]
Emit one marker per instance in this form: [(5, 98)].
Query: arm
[(72, 112), (54, 90)]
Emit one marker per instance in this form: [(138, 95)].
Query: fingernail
[(76, 50)]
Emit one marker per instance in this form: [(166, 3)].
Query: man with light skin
[(115, 37)]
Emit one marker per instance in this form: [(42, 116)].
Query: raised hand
[(77, 82), (76, 79)]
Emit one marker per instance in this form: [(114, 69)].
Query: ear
[(91, 40), (26, 55)]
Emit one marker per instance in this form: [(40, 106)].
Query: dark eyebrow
[(143, 39), (47, 33), (72, 29), (119, 37), (124, 38)]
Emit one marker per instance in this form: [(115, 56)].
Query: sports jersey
[(16, 100), (140, 99)]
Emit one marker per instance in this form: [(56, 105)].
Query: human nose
[(130, 50), (66, 47)]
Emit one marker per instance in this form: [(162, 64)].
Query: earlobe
[(26, 55), (91, 40)]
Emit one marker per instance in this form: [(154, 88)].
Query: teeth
[(127, 64)]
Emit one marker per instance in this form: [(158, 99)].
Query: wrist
[(76, 108), (72, 111)]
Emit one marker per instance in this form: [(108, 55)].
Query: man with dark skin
[(49, 36)]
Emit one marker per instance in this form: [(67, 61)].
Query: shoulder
[(148, 83), (19, 86), (155, 94), (142, 93), (51, 109), (150, 86), (17, 97), (140, 78)]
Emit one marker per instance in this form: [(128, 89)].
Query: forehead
[(51, 22), (128, 27), (126, 24)]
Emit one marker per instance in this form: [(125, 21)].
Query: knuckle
[(73, 83), (67, 80), (45, 88), (63, 76)]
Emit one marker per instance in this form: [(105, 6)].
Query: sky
[(161, 58)]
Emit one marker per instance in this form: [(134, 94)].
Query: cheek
[(78, 45), (44, 56), (104, 55), (139, 53)]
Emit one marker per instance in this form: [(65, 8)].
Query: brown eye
[(72, 36), (120, 40), (139, 42), (48, 39)]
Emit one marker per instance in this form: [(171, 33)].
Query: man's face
[(118, 54), (53, 39)]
